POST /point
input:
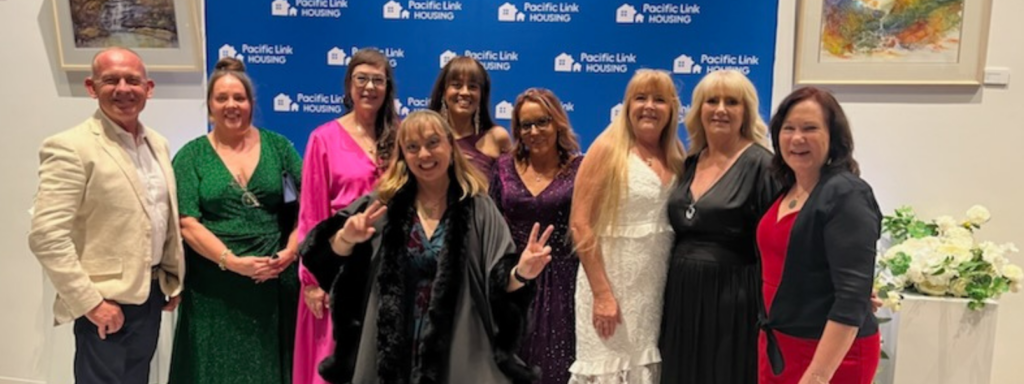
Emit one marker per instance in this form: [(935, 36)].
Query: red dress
[(860, 362)]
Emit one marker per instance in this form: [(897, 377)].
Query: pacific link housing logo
[(503, 110), (545, 12), (617, 110), (422, 10), (709, 63), (308, 8), (602, 62), (657, 13), (258, 53), (492, 60), (308, 103), (338, 57)]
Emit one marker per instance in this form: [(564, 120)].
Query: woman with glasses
[(432, 289), (462, 94), (534, 183), (344, 158), (237, 317)]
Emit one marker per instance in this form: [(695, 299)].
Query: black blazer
[(830, 261)]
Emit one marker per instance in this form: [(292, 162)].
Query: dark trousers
[(124, 357)]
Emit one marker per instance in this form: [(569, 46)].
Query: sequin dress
[(230, 329), (551, 341), (480, 160)]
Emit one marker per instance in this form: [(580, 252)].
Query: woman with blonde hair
[(621, 229), (709, 326), (431, 289)]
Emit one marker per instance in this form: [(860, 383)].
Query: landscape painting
[(127, 23), (904, 31)]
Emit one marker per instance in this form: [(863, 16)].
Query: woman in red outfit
[(817, 245)]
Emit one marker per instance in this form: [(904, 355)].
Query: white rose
[(931, 289), (1013, 272), (978, 215), (945, 223), (959, 287)]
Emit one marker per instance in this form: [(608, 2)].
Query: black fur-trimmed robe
[(367, 298)]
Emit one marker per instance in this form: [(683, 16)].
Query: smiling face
[(230, 107), (427, 152), (722, 112), (804, 139), (120, 84), (462, 95), (649, 113), (368, 87), (537, 130)]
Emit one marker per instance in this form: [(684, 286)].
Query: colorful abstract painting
[(908, 31)]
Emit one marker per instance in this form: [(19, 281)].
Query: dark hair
[(840, 145), (472, 70), (230, 66), (384, 125), (565, 142)]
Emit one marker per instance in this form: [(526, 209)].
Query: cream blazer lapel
[(107, 138)]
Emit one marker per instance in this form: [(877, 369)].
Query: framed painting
[(892, 41), (164, 32)]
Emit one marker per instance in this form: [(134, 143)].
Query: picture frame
[(165, 33), (892, 43)]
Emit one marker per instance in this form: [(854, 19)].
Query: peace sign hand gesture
[(358, 228), (536, 255)]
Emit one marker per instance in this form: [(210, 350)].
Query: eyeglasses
[(542, 124), (362, 80)]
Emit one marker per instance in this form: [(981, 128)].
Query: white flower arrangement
[(941, 258)]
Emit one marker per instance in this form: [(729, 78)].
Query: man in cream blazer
[(105, 226)]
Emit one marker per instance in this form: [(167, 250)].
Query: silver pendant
[(690, 211)]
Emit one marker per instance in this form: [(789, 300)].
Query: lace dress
[(636, 254)]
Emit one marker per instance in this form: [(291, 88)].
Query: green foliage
[(904, 225)]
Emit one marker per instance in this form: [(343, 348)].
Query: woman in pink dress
[(343, 159)]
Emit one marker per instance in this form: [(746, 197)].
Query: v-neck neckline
[(352, 140), (663, 184), (689, 186), (522, 182), (225, 168)]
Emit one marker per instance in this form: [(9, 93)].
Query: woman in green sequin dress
[(237, 316)]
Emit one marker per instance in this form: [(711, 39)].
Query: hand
[(107, 317), (606, 315), (876, 303), (536, 255), (256, 267), (359, 227), (316, 300), (813, 378), (172, 303), (280, 263)]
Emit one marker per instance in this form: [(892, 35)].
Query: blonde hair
[(734, 83), (622, 140), (397, 175)]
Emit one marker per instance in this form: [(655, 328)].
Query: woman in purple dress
[(532, 184), (462, 94)]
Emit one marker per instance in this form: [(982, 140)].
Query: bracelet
[(518, 277), (223, 264)]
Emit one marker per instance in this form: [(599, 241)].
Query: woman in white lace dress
[(620, 225)]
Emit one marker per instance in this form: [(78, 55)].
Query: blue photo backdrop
[(585, 51)]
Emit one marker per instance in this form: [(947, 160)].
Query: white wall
[(941, 149)]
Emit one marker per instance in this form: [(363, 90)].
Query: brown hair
[(840, 145), (472, 70), (230, 66), (387, 116), (566, 142)]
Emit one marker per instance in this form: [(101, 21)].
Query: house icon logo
[(627, 14), (402, 110), (565, 63), (337, 56), (282, 8), (393, 11), (685, 65), (503, 110), (227, 50), (509, 12), (284, 103), (447, 56), (616, 111)]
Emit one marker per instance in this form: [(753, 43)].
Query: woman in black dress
[(709, 326)]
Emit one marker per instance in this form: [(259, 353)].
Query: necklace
[(537, 174), (430, 209), (792, 203)]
